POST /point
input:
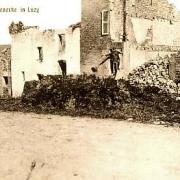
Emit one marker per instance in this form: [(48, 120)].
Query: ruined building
[(141, 28), (5, 71), (45, 52)]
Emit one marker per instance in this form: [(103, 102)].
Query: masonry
[(37, 52), (5, 71), (143, 29), (93, 44)]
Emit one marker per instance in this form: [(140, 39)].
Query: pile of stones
[(155, 73)]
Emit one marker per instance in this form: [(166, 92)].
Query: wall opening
[(63, 66), (23, 74), (61, 41), (40, 51), (6, 80)]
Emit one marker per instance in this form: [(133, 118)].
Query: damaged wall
[(151, 24), (162, 32), (139, 57), (5, 71), (153, 31), (72, 50), (157, 37), (151, 9), (38, 52)]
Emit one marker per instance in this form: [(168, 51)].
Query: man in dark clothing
[(114, 58)]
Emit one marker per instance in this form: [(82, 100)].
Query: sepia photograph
[(90, 90)]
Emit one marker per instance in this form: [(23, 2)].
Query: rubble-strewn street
[(48, 147)]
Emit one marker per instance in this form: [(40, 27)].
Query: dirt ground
[(49, 147)]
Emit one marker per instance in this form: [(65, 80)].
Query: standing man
[(114, 58)]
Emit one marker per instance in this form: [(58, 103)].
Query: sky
[(52, 14), (176, 2)]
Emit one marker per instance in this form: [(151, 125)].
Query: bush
[(100, 97), (84, 91)]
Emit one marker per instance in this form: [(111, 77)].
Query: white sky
[(53, 14)]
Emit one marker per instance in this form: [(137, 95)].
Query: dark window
[(62, 64), (6, 80), (40, 51), (151, 2), (23, 74), (62, 41)]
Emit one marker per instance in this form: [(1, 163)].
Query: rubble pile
[(96, 97), (89, 92), (154, 73)]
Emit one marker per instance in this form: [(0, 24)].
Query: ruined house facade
[(142, 29), (5, 71), (36, 52)]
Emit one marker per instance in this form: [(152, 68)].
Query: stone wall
[(51, 45), (150, 38), (93, 43), (140, 56), (116, 20), (72, 50), (159, 32), (152, 30), (152, 9), (5, 70)]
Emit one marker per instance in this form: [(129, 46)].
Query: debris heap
[(154, 73), (16, 28)]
